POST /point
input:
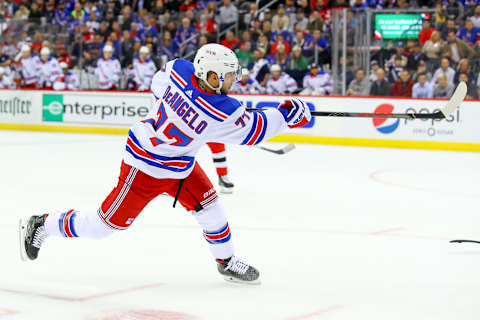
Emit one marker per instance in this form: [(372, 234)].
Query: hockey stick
[(289, 147), (460, 241), (449, 108)]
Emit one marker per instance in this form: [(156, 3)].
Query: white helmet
[(275, 67), (63, 65), (219, 59), (144, 49), (108, 48), (45, 51), (25, 48)]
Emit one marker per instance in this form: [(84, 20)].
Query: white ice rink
[(337, 233)]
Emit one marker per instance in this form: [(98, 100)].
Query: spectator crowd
[(282, 49)]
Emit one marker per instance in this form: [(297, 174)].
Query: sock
[(219, 156), (73, 224), (216, 230)]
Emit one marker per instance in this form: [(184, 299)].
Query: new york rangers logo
[(385, 125)]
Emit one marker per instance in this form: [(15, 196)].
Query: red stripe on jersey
[(138, 150), (174, 74), (66, 224), (172, 163), (257, 132), (202, 102), (175, 164)]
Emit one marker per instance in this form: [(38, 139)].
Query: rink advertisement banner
[(114, 112), (96, 108), (18, 106)]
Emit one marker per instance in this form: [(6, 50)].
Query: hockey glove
[(296, 113)]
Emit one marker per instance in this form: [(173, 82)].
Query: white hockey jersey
[(6, 82), (50, 70), (108, 72), (185, 117), (322, 80), (257, 66), (30, 68), (251, 86), (68, 82), (284, 84), (143, 72)]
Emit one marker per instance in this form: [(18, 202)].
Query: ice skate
[(234, 270), (32, 234), (226, 186)]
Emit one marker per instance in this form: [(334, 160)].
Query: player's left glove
[(296, 113)]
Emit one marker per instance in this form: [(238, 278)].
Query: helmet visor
[(234, 76)]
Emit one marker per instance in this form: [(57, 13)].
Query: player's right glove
[(296, 113)]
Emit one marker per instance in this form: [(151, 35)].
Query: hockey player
[(5, 81), (192, 107), (219, 156), (143, 69), (317, 82), (30, 67), (246, 84), (280, 82), (108, 70), (69, 81), (50, 70), (260, 66)]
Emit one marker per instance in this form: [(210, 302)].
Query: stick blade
[(456, 99), (460, 241), (289, 147)]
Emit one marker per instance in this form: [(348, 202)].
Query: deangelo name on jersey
[(181, 107)]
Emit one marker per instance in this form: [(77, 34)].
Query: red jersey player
[(219, 155)]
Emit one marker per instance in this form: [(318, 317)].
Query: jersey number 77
[(171, 131)]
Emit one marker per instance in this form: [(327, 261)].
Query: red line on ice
[(377, 177), (81, 299), (387, 231), (7, 312), (315, 313)]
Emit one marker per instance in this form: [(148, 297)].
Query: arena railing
[(354, 39)]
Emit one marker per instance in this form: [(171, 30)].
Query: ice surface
[(336, 232)]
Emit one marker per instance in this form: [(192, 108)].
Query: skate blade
[(226, 190), (235, 280), (22, 229)]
